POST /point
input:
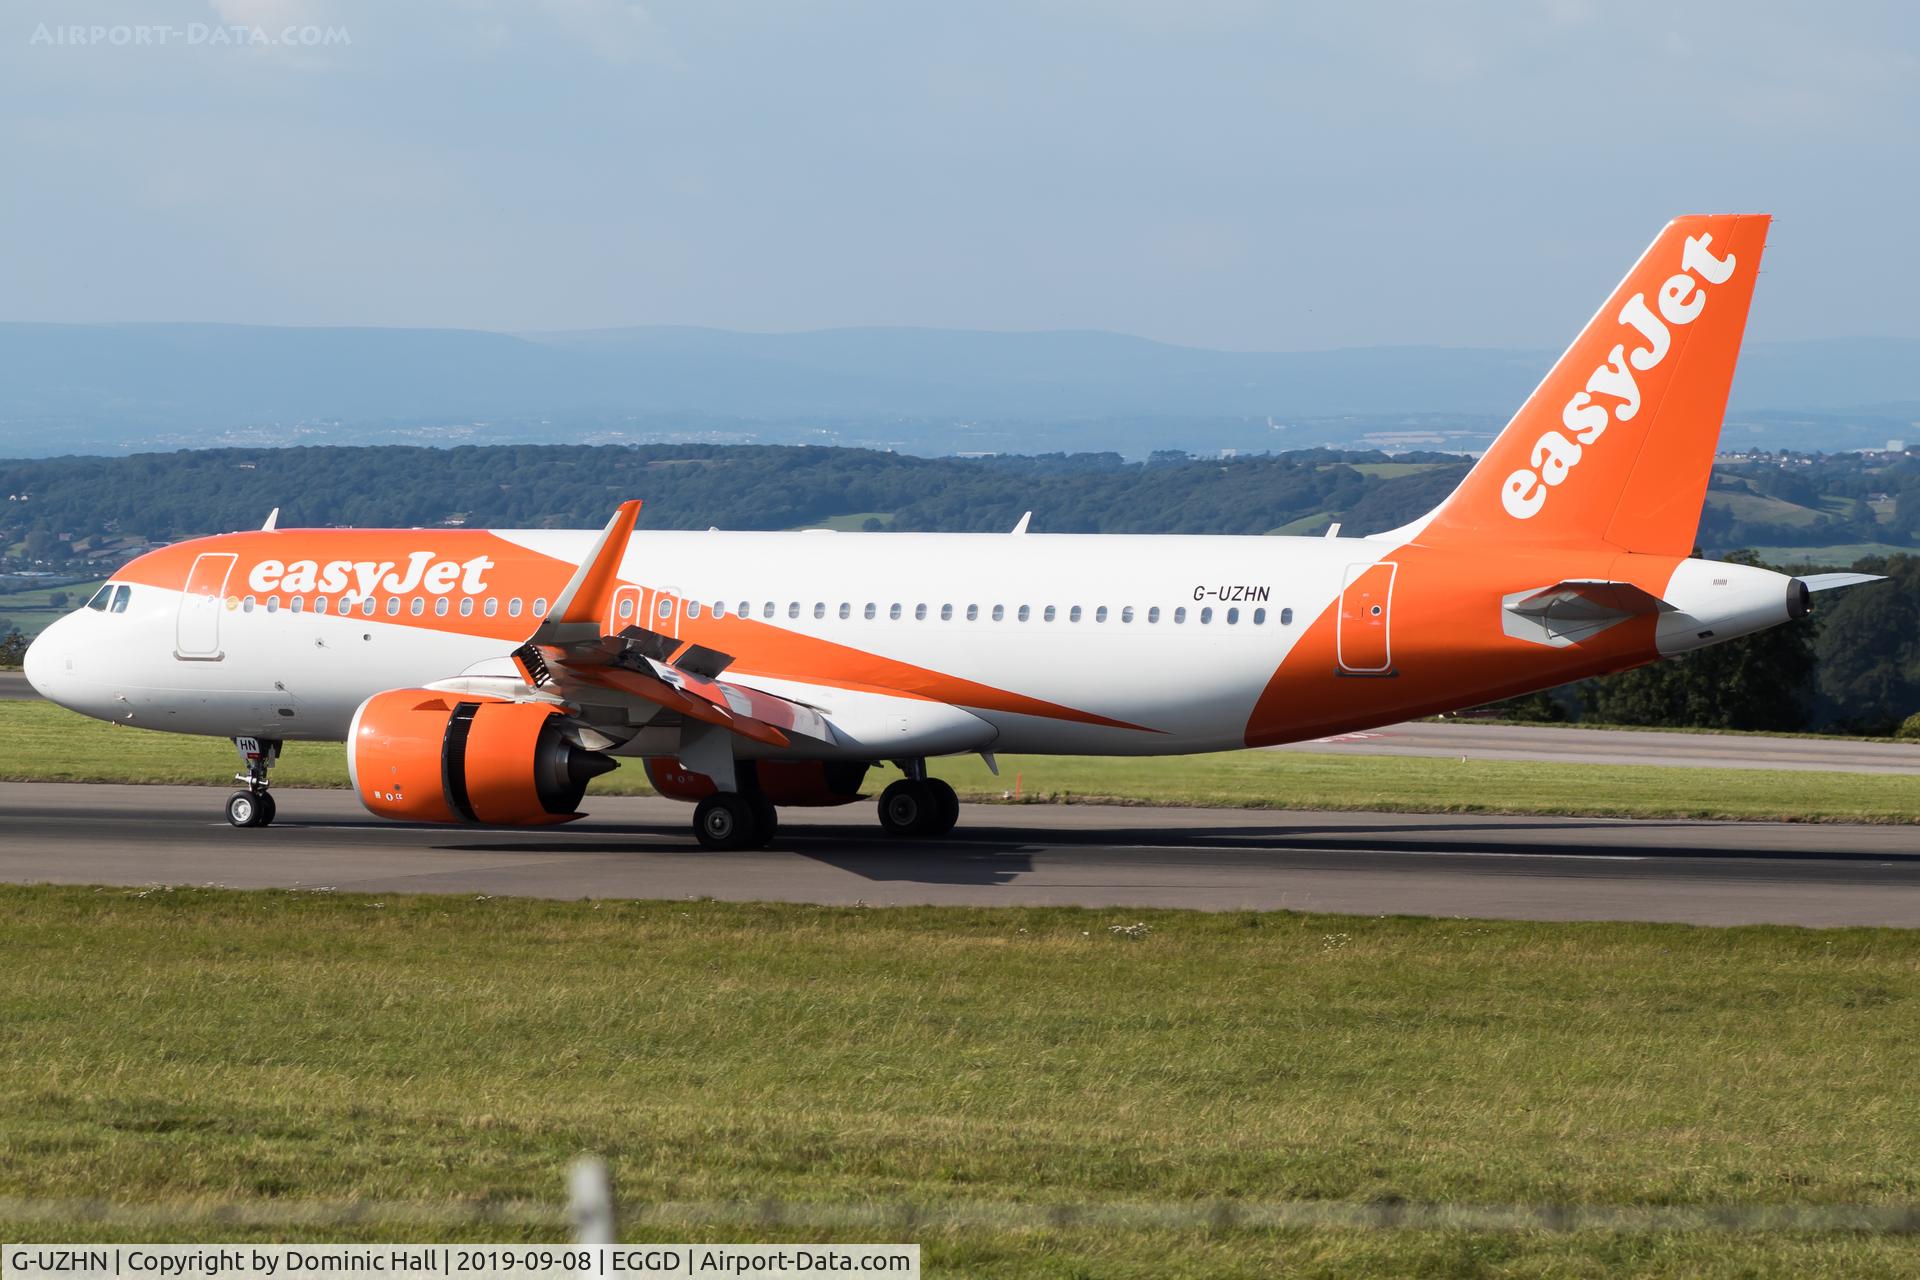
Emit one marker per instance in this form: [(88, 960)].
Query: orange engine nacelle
[(804, 783), (423, 756)]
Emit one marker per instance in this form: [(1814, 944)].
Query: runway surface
[(1551, 744), (14, 687), (1097, 856)]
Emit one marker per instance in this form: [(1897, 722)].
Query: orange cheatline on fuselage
[(1447, 605), (388, 557)]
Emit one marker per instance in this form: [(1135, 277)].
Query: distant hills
[(118, 388)]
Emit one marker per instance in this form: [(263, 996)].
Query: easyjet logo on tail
[(1679, 301), (422, 572)]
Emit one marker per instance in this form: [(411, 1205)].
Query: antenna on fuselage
[(1022, 526), (273, 521)]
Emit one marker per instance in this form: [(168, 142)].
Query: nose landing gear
[(254, 806)]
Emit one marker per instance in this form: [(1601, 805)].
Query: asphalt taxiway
[(1088, 855)]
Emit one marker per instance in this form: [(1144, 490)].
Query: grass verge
[(271, 1050), (50, 744)]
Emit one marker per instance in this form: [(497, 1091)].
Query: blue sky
[(1214, 172)]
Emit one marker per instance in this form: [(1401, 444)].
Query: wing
[(570, 656)]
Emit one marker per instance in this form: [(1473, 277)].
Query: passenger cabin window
[(513, 607), (1047, 614), (1073, 614), (1153, 613), (1286, 617), (540, 607), (793, 608), (466, 606), (417, 606), (693, 608), (1180, 615), (846, 611), (296, 604), (1259, 617), (440, 607), (871, 611), (946, 613), (766, 610), (719, 608), (246, 605), (1233, 616), (999, 612), (626, 607), (919, 613), (1025, 611), (1100, 614), (1206, 614), (819, 609), (893, 613), (492, 606), (973, 613), (319, 604), (1126, 613), (393, 606)]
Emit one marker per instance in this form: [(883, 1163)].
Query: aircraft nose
[(43, 659)]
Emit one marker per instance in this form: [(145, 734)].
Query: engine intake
[(423, 756)]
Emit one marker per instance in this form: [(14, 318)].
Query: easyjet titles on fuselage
[(422, 572)]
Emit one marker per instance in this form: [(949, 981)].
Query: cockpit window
[(101, 598), (120, 597)]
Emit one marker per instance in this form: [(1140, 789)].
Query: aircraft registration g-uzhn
[(485, 676)]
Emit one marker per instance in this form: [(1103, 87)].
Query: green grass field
[(48, 743), (175, 1051)]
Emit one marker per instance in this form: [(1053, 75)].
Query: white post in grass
[(590, 1201)]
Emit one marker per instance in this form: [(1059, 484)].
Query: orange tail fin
[(1615, 446)]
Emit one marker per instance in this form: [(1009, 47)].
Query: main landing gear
[(728, 820), (917, 805), (254, 806)]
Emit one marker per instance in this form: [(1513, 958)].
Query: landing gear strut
[(917, 805), (254, 806)]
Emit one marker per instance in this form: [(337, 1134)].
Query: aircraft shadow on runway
[(995, 855)]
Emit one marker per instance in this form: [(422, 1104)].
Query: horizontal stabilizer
[(1835, 581), (1574, 610)]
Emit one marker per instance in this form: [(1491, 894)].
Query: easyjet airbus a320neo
[(486, 676)]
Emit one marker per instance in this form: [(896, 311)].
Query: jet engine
[(423, 756), (804, 783)]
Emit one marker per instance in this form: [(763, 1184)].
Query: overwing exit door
[(1363, 640), (626, 610), (663, 612), (196, 632)]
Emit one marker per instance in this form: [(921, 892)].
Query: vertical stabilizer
[(1616, 445)]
